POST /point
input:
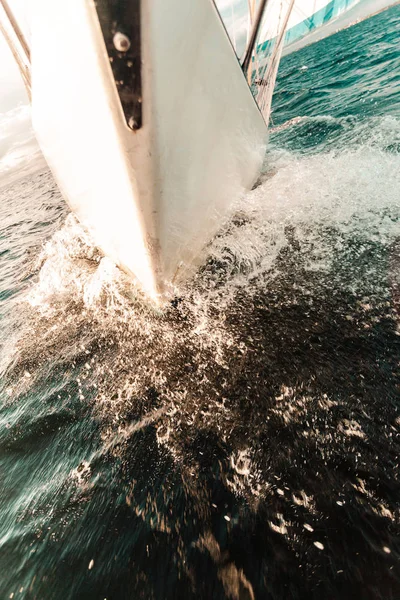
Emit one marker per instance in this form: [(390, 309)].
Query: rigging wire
[(253, 37), (21, 54), (16, 28), (267, 83)]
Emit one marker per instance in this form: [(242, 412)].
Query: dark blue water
[(245, 442)]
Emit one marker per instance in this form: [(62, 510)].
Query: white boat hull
[(151, 198)]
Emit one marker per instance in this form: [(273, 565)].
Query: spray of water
[(279, 341)]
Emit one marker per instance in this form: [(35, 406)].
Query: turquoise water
[(244, 443)]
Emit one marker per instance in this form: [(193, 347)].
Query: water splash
[(260, 404)]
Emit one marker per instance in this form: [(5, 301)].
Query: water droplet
[(319, 545)]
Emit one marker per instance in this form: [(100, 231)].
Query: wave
[(241, 400), (19, 152), (315, 205), (324, 133)]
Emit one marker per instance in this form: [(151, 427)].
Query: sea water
[(244, 443)]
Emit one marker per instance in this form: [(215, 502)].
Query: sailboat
[(150, 117)]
